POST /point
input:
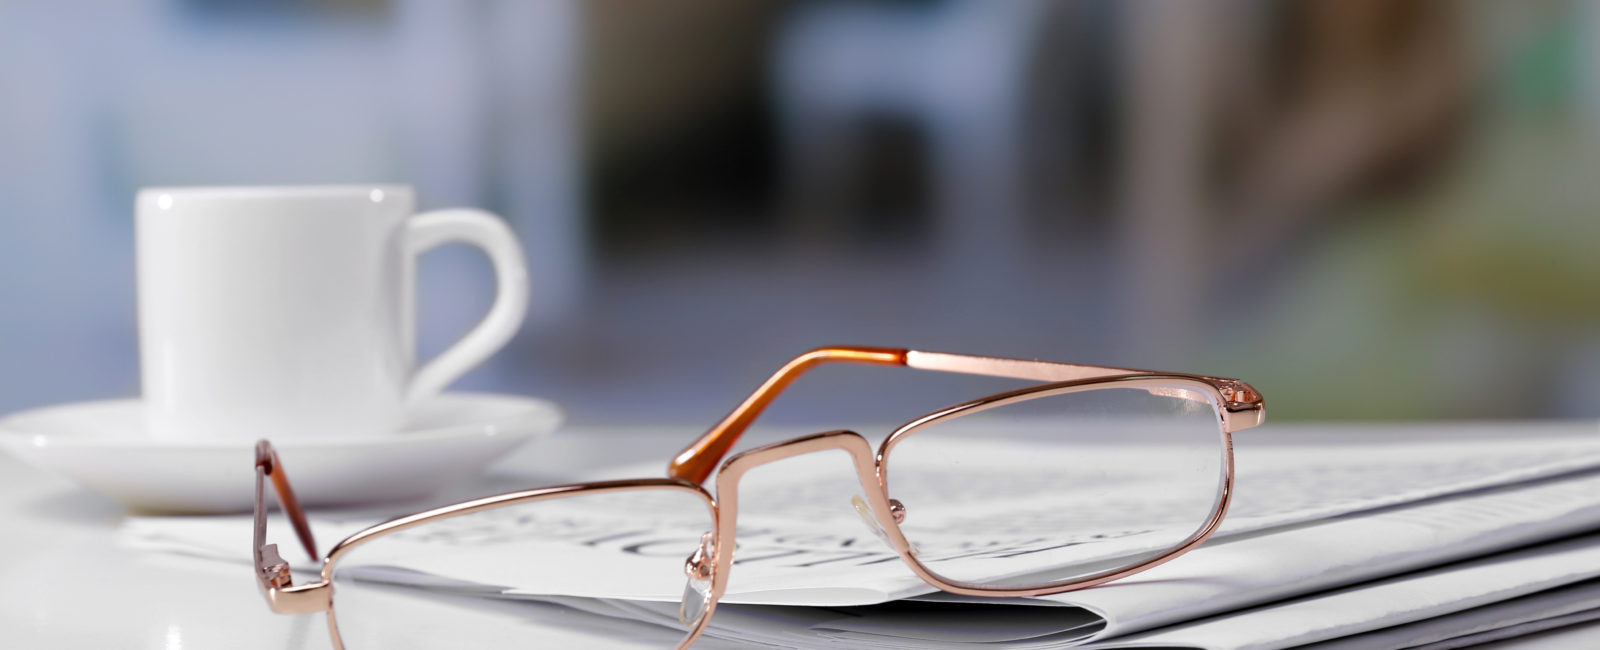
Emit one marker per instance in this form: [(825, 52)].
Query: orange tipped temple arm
[(271, 567), (697, 461)]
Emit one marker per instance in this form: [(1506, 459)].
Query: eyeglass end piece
[(1242, 405)]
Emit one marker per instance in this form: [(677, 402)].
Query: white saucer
[(104, 446)]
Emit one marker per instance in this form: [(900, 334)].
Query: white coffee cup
[(290, 311)]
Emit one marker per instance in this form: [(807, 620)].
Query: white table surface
[(64, 583)]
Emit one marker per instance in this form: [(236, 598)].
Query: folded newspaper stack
[(1361, 537)]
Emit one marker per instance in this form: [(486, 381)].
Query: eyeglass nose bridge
[(862, 456)]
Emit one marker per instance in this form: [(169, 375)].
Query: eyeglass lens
[(1057, 487)]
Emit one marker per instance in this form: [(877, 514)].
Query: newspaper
[(1309, 517), (1408, 598), (1546, 610), (1234, 576)]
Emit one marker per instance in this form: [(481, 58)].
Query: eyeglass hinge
[(275, 568)]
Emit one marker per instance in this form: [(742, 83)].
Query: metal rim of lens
[(1219, 508)]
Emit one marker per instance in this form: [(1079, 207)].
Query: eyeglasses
[(1093, 475)]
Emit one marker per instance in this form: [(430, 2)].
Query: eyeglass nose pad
[(697, 589), (896, 510)]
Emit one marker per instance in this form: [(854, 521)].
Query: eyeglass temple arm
[(1242, 405), (1046, 371), (697, 461), (272, 568)]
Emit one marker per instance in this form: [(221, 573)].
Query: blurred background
[(1368, 209)]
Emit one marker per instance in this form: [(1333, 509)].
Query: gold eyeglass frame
[(1238, 407)]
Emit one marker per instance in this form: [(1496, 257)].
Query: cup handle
[(489, 232)]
